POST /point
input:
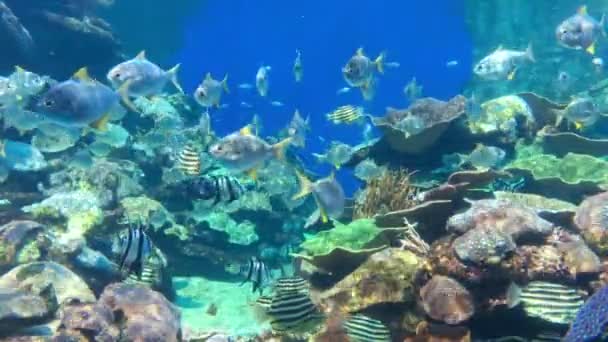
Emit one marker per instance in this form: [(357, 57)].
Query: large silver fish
[(244, 151), (328, 194), (78, 102), (580, 31), (140, 77), (209, 92), (359, 70)]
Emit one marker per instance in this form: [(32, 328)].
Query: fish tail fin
[(173, 73), (530, 53), (380, 62), (591, 49), (225, 84), (102, 123), (123, 91), (305, 186), (513, 295), (279, 148)]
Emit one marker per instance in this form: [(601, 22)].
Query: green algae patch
[(572, 168), (356, 235)]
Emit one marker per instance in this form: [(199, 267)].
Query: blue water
[(237, 37)]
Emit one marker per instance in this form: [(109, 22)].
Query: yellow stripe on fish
[(345, 114), (189, 161)]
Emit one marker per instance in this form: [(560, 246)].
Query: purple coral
[(591, 320), (483, 246)]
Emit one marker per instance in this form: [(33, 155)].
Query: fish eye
[(117, 75), (49, 103)]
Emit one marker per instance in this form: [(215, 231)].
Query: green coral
[(85, 221), (572, 168), (242, 233), (145, 210), (28, 253), (357, 235)]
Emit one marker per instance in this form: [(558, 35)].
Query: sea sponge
[(445, 300)]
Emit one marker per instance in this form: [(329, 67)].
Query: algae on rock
[(573, 168), (356, 235)]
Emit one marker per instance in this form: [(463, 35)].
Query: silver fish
[(580, 31), (328, 193), (503, 63), (360, 69), (261, 80), (209, 92)]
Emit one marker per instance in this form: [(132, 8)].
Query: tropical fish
[(133, 246), (346, 115), (245, 86), (78, 102), (367, 170), (451, 64), (220, 189), (367, 133), (412, 90), (328, 194), (209, 92), (297, 129), (261, 80), (580, 31), (361, 328), (337, 154), (551, 302), (298, 69), (486, 156), (289, 311), (257, 273), (277, 104), (503, 63), (140, 77), (360, 69), (189, 161), (581, 111), (291, 285), (243, 151)]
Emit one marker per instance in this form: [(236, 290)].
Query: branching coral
[(390, 192), (412, 241)]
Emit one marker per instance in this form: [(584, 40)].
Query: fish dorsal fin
[(582, 10), (141, 56), (245, 130), (360, 52), (208, 77), (19, 69), (82, 75), (499, 47)]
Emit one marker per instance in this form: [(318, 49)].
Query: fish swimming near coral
[(337, 154), (244, 151), (189, 161), (133, 246), (580, 31), (328, 193), (151, 270), (581, 111), (291, 284), (220, 189), (360, 69), (209, 92), (361, 328), (503, 63), (412, 90), (262, 80), (298, 128), (78, 102), (140, 77), (256, 272), (486, 156), (347, 114), (289, 311), (551, 302), (298, 68)]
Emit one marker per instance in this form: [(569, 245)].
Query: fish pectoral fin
[(558, 120), (102, 123), (591, 49), (225, 84), (82, 75), (123, 91), (578, 125)]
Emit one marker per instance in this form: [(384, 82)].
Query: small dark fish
[(220, 189), (256, 272), (189, 161), (133, 247), (291, 284), (360, 328)]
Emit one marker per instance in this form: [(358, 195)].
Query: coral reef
[(17, 243), (150, 212), (483, 245), (562, 143), (445, 300), (500, 116), (591, 320), (417, 128), (21, 308), (389, 192), (590, 220)]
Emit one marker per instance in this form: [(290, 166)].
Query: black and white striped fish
[(291, 284), (360, 328), (256, 272), (555, 303), (289, 311), (220, 189), (133, 247), (189, 161)]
